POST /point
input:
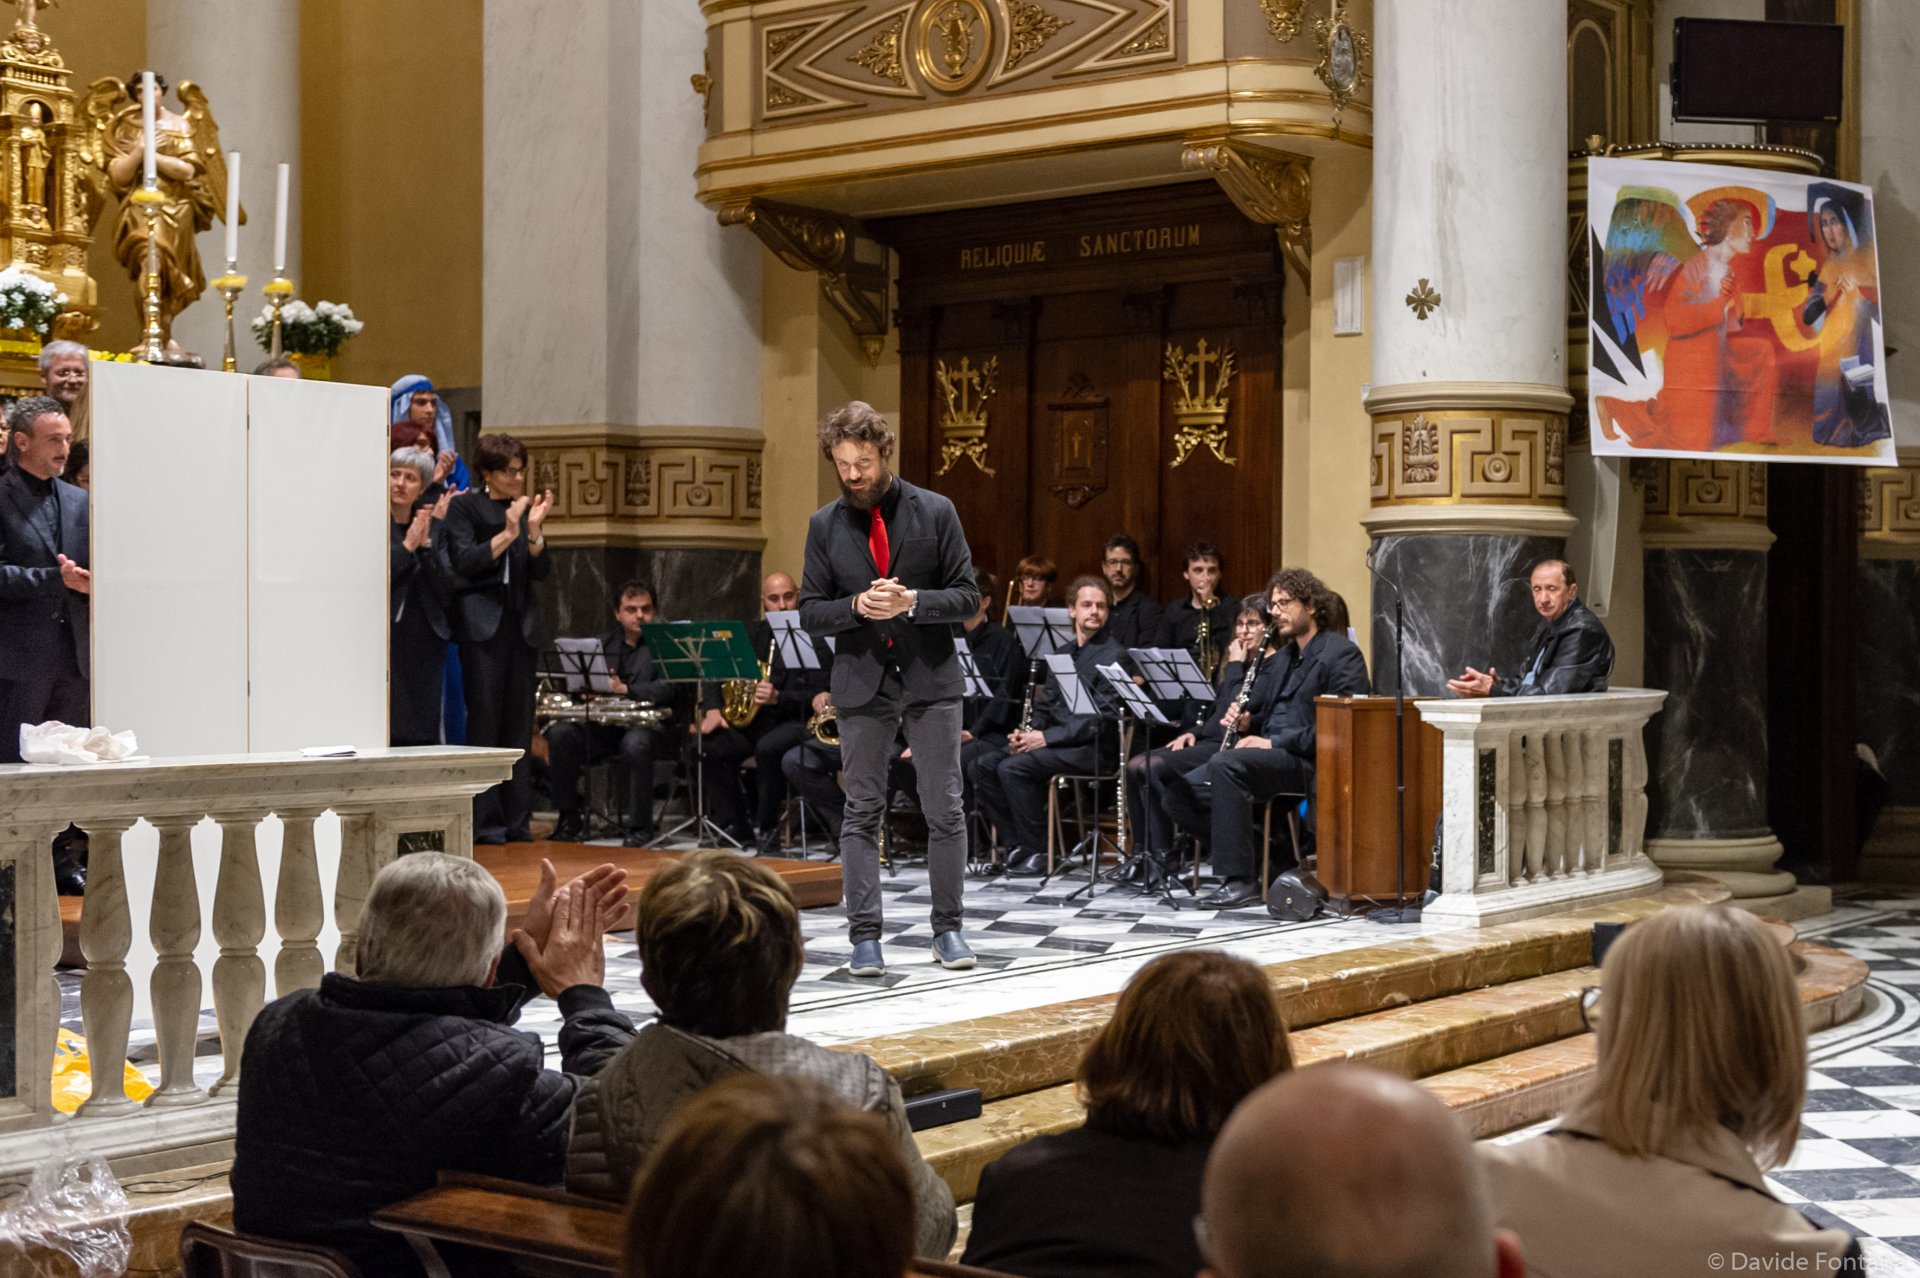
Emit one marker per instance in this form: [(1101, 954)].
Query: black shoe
[(489, 838), (569, 829), (1024, 864), (638, 838), (1231, 895)]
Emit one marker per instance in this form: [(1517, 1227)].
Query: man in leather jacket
[(1570, 651)]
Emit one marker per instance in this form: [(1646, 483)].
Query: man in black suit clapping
[(888, 576)]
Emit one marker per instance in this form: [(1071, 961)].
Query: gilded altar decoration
[(1343, 57), (1201, 411), (1424, 299), (192, 176), (1283, 18), (952, 39), (1032, 28), (963, 416)]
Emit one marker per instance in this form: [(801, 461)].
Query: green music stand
[(699, 652)]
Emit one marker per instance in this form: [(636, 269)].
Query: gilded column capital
[(1698, 503), (1469, 458), (654, 486), (1890, 509)]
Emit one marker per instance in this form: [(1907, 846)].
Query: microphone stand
[(1400, 912)]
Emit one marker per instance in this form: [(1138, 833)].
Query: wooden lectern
[(1355, 798)]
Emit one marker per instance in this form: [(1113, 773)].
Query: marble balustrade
[(378, 796), (1544, 803)]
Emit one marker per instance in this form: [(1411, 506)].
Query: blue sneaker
[(951, 952), (867, 960)]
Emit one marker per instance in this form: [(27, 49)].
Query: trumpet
[(824, 724)]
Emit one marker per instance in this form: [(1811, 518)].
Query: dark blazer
[(634, 667), (1136, 621), (1573, 654), (1050, 708), (1002, 663), (37, 611), (487, 589), (1330, 667), (419, 582), (1090, 1204), (1180, 623), (928, 553)]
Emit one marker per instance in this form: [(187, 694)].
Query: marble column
[(1706, 537), (1887, 661), (622, 322), (246, 55), (1469, 399)]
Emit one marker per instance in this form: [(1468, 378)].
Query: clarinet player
[(888, 576)]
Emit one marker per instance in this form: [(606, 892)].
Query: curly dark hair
[(859, 422), (1308, 589)]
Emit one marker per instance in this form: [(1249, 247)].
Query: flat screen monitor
[(1755, 72)]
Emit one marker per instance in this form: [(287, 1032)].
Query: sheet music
[(1172, 673), (1137, 702), (1042, 631), (793, 644), (970, 670), (583, 665), (1078, 697)]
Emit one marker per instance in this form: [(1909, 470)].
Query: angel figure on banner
[(1692, 381), (191, 171), (1842, 308)]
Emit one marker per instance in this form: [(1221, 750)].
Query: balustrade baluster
[(1559, 858), (174, 925), (351, 885), (239, 922), (298, 910), (1593, 791), (106, 991)]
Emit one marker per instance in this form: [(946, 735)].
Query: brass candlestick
[(153, 347), (279, 291), (231, 285)]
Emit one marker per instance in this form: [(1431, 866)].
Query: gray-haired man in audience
[(359, 1093), (1343, 1172)]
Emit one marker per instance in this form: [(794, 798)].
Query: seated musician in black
[(1570, 653), (1012, 785), (573, 746), (786, 700), (1219, 799), (1200, 620), (1203, 732)]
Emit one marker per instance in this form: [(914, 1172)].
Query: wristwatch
[(915, 605)]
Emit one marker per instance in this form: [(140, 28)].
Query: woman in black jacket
[(419, 583), (498, 551), (1192, 1035)]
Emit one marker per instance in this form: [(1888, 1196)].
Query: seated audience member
[(419, 584), (786, 700), (573, 746), (1180, 623), (79, 461), (1205, 731), (1343, 1172), (774, 1178), (421, 419), (1033, 582), (360, 1093), (1339, 620), (1134, 619), (65, 369), (1012, 783), (1217, 801), (1697, 1092), (278, 366), (1570, 652), (720, 949), (1193, 1035)]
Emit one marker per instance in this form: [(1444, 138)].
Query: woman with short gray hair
[(419, 583)]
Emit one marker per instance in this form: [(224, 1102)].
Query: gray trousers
[(866, 748)]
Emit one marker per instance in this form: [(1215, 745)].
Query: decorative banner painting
[(1735, 313)]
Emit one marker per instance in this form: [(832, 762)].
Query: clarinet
[(1034, 676), (1255, 660)]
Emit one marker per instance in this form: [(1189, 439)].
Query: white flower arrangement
[(28, 302), (309, 330)]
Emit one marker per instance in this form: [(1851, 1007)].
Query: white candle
[(233, 206), (280, 223), (147, 126)]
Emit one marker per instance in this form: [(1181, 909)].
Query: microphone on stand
[(1401, 912)]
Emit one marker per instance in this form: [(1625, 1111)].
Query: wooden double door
[(1101, 327)]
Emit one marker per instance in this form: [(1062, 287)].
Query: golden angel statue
[(191, 171)]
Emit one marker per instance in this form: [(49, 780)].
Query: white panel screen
[(318, 602), (169, 549)]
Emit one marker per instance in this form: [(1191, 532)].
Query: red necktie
[(877, 541)]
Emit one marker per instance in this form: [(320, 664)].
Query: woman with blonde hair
[(1192, 1035), (1697, 1092)]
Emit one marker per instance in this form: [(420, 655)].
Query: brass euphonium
[(737, 705)]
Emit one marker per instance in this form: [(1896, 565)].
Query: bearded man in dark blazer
[(888, 576)]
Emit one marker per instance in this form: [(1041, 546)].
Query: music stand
[(1042, 631), (794, 645), (698, 652), (1078, 699), (1172, 674), (970, 670), (1135, 707), (583, 666)]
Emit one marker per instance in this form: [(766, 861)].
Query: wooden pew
[(541, 1233)]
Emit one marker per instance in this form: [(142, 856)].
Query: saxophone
[(1255, 660), (1206, 653), (737, 705)]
